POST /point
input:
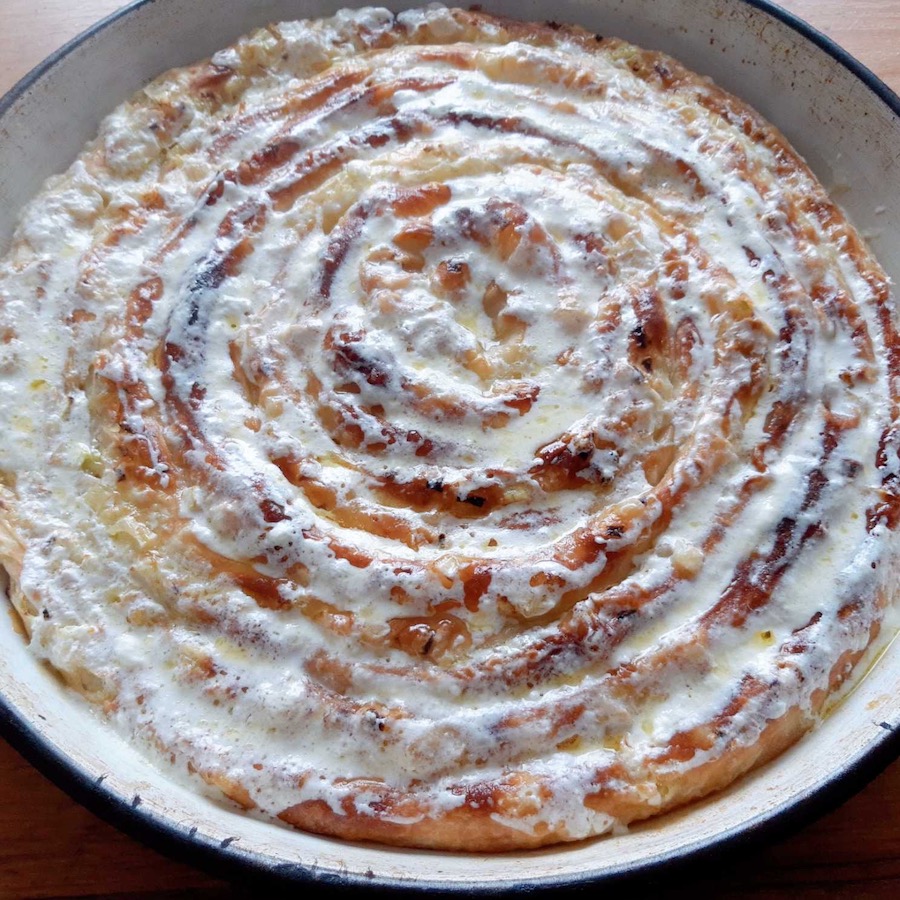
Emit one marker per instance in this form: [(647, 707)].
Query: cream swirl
[(440, 421)]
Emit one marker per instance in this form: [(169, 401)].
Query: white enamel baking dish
[(846, 123)]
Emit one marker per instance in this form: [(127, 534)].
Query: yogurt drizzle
[(428, 413)]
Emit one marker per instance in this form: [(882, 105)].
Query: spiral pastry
[(447, 431)]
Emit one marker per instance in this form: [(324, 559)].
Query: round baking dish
[(846, 123)]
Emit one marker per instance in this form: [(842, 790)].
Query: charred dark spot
[(351, 355), (663, 71), (752, 258), (472, 499), (198, 394), (378, 139), (215, 191), (815, 484), (208, 278), (436, 485), (174, 351), (639, 336), (271, 511)]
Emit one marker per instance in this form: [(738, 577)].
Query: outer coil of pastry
[(447, 431)]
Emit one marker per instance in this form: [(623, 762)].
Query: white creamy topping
[(399, 406)]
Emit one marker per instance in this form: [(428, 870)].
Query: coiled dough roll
[(447, 431)]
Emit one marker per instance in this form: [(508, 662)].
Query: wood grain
[(52, 847)]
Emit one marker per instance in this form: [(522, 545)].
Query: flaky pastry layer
[(447, 431)]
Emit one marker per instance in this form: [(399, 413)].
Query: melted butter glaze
[(434, 420)]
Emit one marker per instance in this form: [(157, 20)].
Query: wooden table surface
[(52, 847)]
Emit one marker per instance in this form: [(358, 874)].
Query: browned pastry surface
[(439, 423)]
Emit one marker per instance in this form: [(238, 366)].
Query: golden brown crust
[(438, 419)]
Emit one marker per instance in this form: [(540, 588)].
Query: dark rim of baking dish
[(226, 858)]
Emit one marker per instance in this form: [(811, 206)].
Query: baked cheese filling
[(447, 431)]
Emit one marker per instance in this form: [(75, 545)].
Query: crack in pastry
[(446, 430)]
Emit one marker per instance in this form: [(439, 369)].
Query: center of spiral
[(496, 345), (467, 312)]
